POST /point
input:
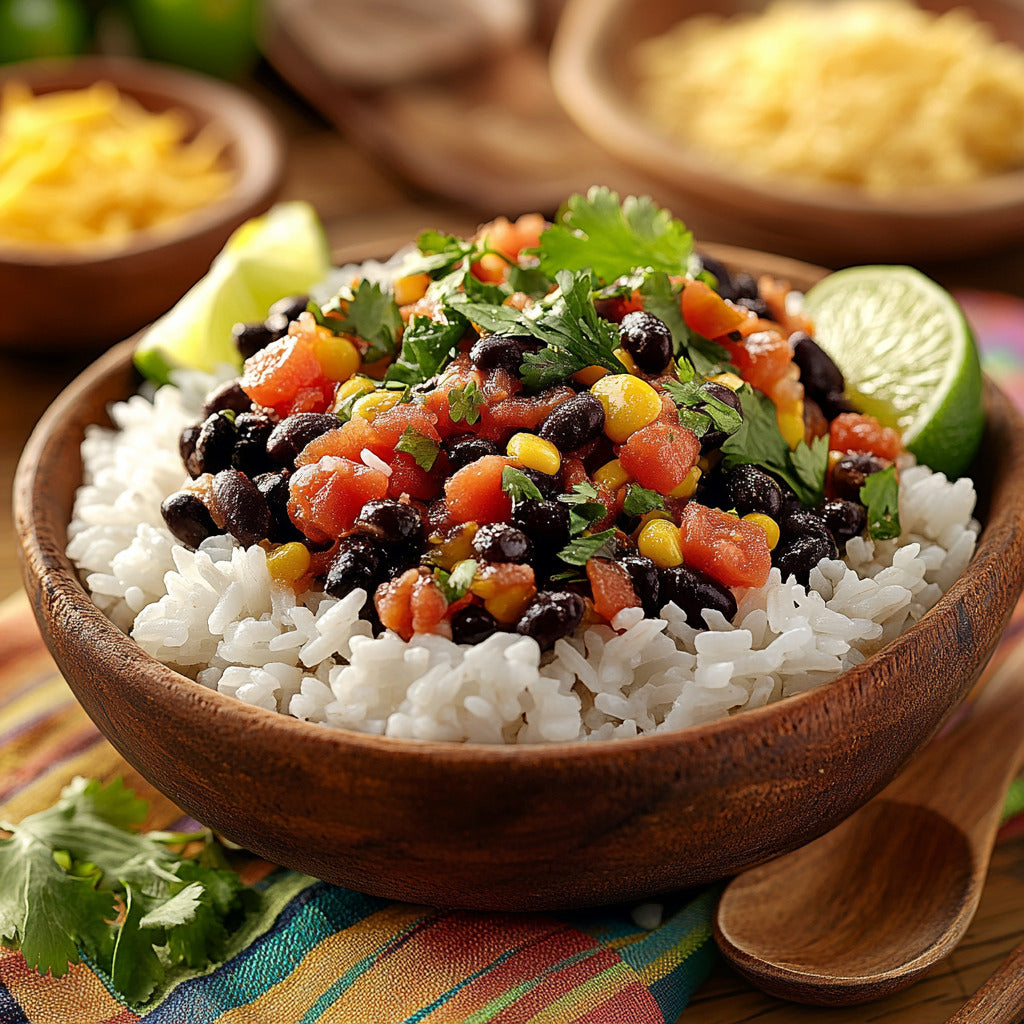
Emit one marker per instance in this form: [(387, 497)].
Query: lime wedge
[(908, 356), (283, 252)]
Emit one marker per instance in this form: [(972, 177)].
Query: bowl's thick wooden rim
[(67, 614), (256, 147)]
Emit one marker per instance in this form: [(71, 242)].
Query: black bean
[(250, 453), (799, 555), (188, 518), (757, 306), (497, 351), (290, 306), (245, 510), (473, 624), (835, 404), (549, 484), (468, 448), (294, 432), (187, 445), (713, 438), (573, 423), (724, 285), (744, 286), (214, 445), (850, 472), (818, 373), (546, 523), (803, 523), (394, 523), (647, 339), (228, 396), (694, 591), (358, 564), (845, 519), (644, 575), (551, 615), (275, 490), (750, 489), (250, 338), (499, 542)]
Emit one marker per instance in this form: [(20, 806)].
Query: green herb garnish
[(518, 486), (369, 313), (78, 879), (455, 584), (465, 403), (580, 550), (641, 500), (423, 449), (880, 494), (584, 509), (759, 442), (427, 345)]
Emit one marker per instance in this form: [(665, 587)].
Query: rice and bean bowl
[(512, 489)]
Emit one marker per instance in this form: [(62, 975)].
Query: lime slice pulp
[(908, 356), (283, 252)]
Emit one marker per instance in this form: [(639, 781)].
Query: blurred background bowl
[(88, 298), (594, 78), (520, 827)]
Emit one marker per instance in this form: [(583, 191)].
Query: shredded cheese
[(877, 94), (92, 167)]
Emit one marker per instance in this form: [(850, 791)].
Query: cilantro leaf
[(464, 403), (427, 345), (880, 494), (640, 500), (423, 449), (455, 584), (581, 549), (518, 486), (438, 254), (369, 313), (599, 233), (699, 408), (530, 280), (584, 509), (759, 442), (77, 879)]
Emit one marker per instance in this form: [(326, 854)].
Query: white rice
[(215, 615)]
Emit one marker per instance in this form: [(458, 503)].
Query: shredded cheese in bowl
[(876, 94), (91, 167)]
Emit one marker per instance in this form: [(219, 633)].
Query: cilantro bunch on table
[(79, 880)]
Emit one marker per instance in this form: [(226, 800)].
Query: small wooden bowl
[(593, 77), (74, 299), (517, 828)]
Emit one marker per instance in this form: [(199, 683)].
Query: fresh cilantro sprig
[(573, 334), (427, 345), (464, 403), (641, 500), (584, 508), (758, 441), (597, 232), (880, 494), (518, 486), (79, 879), (369, 312), (455, 584), (699, 408), (423, 449), (581, 549)]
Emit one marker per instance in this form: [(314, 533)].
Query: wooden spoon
[(861, 912)]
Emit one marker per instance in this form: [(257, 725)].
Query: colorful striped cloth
[(319, 953)]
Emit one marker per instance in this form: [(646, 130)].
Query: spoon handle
[(1001, 999)]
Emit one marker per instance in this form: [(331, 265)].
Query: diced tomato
[(573, 472), (660, 455), (408, 477), (612, 587), (346, 442), (391, 424), (763, 358), (286, 377), (617, 307), (393, 601), (474, 492), (732, 550), (856, 432), (510, 239), (457, 374), (517, 412), (707, 313), (326, 496)]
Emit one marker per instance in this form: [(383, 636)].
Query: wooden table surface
[(366, 207)]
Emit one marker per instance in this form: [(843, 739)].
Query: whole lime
[(218, 37), (42, 28)]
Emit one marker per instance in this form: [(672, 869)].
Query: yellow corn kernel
[(629, 404), (727, 380), (534, 452), (354, 386), (791, 426), (626, 359), (689, 485), (770, 527), (659, 541), (289, 562), (589, 375), (339, 359), (411, 288), (834, 457), (448, 551), (509, 605), (655, 513), (611, 476), (369, 407)]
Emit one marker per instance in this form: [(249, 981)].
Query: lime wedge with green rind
[(908, 356), (283, 252)]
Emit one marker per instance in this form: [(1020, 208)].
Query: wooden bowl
[(516, 828), (593, 77), (67, 300)]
